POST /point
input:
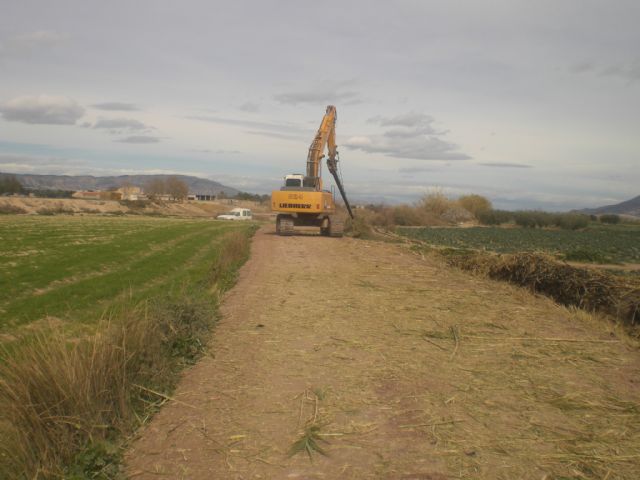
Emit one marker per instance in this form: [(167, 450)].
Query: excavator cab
[(293, 181)]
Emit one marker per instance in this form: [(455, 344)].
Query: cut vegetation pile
[(65, 401), (564, 283)]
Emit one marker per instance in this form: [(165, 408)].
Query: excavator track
[(336, 226), (284, 225)]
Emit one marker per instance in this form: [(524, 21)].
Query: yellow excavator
[(302, 202)]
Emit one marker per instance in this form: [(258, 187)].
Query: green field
[(597, 243), (79, 269)]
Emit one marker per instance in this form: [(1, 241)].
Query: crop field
[(78, 269), (597, 244)]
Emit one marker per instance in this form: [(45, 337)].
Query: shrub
[(568, 285), (57, 210), (495, 217), (456, 214), (135, 204), (8, 209), (9, 184), (584, 255), (436, 203), (571, 221), (476, 204), (531, 219), (56, 394), (383, 217), (405, 216), (90, 210), (610, 218), (358, 227)]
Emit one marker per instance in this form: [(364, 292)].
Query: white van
[(236, 214)]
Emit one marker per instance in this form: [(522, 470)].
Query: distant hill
[(630, 207), (87, 182)]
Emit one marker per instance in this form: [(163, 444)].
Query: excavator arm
[(326, 135)]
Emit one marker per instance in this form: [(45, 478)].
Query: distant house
[(131, 192), (201, 197)]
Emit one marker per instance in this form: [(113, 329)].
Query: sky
[(532, 104)]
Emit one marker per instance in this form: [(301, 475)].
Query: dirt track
[(409, 369)]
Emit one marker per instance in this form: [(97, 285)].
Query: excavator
[(302, 202)]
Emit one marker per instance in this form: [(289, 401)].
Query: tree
[(176, 188), (9, 184), (611, 218), (475, 204), (155, 187)]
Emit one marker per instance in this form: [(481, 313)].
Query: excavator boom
[(326, 135)]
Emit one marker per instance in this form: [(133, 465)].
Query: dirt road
[(402, 368)]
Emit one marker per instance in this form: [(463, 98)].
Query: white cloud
[(250, 107), (411, 119), (117, 125), (505, 165), (15, 163), (42, 109), (31, 41), (116, 106), (419, 148), (326, 93), (414, 138), (357, 142), (629, 71), (140, 139)]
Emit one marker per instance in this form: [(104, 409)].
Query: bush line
[(567, 285), (63, 401)]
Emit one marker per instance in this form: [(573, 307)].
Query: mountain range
[(88, 182), (629, 207)]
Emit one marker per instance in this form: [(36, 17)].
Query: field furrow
[(78, 269)]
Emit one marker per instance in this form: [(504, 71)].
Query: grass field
[(77, 269), (72, 387), (597, 243)]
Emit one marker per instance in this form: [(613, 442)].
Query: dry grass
[(234, 251), (568, 285), (57, 393), (8, 209)]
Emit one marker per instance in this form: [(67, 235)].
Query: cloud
[(31, 41), (414, 137), (582, 67), (16, 163), (116, 106), (42, 109), (228, 152), (323, 94), (117, 125), (419, 148), (249, 107), (284, 136), (219, 151), (413, 132), (261, 128), (505, 165), (627, 71), (140, 139), (412, 170), (411, 119)]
